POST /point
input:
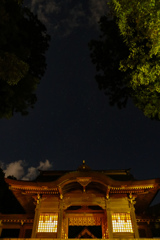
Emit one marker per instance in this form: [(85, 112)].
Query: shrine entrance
[(85, 232), (85, 224)]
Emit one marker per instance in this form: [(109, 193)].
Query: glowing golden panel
[(121, 222), (48, 222), (84, 221)]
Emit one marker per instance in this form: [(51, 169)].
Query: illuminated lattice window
[(48, 222), (121, 222)]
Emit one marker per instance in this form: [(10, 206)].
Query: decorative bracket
[(84, 181), (107, 192)]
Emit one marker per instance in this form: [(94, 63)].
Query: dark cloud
[(63, 17)]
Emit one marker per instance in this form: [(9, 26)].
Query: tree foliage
[(8, 202), (23, 43), (128, 54)]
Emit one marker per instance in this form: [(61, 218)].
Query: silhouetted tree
[(12, 177), (23, 43), (8, 202), (127, 55)]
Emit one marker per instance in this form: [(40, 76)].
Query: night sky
[(72, 119)]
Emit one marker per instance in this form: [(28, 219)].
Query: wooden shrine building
[(80, 204)]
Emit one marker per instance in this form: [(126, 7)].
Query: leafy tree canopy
[(8, 202), (128, 54), (23, 43)]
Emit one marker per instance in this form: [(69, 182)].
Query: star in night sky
[(72, 119)]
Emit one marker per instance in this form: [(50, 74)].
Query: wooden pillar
[(1, 227), (36, 217), (22, 230), (133, 218), (60, 219), (66, 227), (109, 218)]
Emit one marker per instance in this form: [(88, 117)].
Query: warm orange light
[(121, 222), (48, 223)]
